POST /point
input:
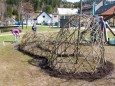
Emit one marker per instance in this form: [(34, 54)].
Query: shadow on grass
[(42, 62)]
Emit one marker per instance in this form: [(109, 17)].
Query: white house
[(31, 18), (64, 12), (10, 21), (43, 18), (29, 22), (55, 18), (40, 18)]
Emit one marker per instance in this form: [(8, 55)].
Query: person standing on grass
[(34, 27), (16, 33)]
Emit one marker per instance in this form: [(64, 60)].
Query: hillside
[(18, 8)]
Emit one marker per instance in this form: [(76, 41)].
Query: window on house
[(55, 16), (43, 16)]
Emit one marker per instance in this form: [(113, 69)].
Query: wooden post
[(78, 40), (21, 13), (79, 21), (81, 7), (113, 22)]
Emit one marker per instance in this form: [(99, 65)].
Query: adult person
[(101, 23), (103, 29)]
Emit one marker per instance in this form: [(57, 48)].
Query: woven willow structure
[(78, 48)]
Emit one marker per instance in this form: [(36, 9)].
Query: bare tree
[(27, 9), (2, 10)]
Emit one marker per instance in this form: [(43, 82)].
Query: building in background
[(109, 15), (43, 18), (99, 6), (64, 15), (55, 19), (30, 18)]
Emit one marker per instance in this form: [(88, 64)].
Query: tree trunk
[(2, 10)]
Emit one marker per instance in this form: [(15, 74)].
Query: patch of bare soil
[(18, 69), (102, 77)]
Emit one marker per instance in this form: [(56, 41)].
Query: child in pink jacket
[(16, 33)]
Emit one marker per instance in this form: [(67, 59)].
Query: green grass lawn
[(6, 38), (110, 35), (24, 30), (39, 29)]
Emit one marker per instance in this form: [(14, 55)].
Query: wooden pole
[(78, 40), (21, 14), (113, 21), (80, 20), (81, 7)]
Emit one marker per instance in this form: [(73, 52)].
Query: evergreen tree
[(12, 2), (77, 5), (11, 5), (48, 9), (40, 5)]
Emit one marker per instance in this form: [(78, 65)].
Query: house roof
[(67, 11), (10, 19), (109, 11), (34, 15), (43, 12), (105, 8)]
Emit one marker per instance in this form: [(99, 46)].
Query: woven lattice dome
[(74, 49), (78, 48)]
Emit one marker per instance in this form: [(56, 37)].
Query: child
[(34, 28), (16, 33)]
